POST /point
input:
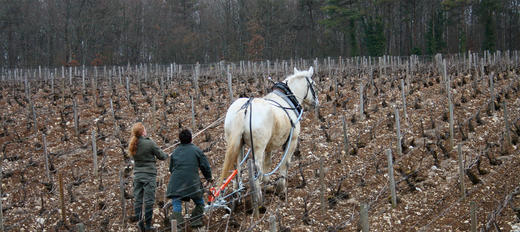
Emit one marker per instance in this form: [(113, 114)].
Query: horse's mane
[(297, 73)]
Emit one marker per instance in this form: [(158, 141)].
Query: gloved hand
[(208, 183)]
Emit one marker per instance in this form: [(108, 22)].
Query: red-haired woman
[(144, 151)]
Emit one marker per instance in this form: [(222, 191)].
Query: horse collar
[(284, 88)]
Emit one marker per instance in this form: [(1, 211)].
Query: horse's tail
[(234, 144)]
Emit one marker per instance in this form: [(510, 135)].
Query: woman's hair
[(137, 131), (185, 136)]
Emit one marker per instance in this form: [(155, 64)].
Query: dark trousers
[(144, 192)]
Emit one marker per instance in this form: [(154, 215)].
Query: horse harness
[(282, 90)]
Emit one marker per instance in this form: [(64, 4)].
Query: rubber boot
[(140, 224), (180, 220), (148, 214), (196, 216), (138, 215)]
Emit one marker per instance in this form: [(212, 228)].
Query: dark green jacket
[(185, 162), (144, 158)]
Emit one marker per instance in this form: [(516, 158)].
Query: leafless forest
[(118, 32), (65, 131)]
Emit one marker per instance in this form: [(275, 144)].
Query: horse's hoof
[(280, 187), (269, 189), (281, 195)]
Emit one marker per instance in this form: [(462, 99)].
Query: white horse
[(265, 124)]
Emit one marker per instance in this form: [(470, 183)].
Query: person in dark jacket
[(144, 151), (184, 183)]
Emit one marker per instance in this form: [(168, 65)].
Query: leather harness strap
[(288, 96)]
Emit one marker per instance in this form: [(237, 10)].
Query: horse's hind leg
[(259, 175), (267, 165), (238, 177), (281, 184)]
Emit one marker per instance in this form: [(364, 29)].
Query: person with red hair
[(144, 151)]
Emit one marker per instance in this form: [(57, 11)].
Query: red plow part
[(214, 193)]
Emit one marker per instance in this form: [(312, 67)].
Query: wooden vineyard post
[(110, 84), (450, 104), (329, 68), (317, 113), (363, 217), (452, 139), (116, 127), (174, 223), (196, 81), (45, 153), (63, 87), (27, 88), (94, 86), (122, 191), (345, 136), (94, 152), (391, 177), (52, 84), (70, 75), (361, 106), (62, 197), (508, 126), (163, 92), (76, 121), (272, 223), (193, 124), (1, 206), (83, 81), (253, 189), (404, 101), (128, 88), (152, 117), (461, 172), (230, 86), (473, 215), (398, 129), (492, 89), (33, 111), (322, 186)]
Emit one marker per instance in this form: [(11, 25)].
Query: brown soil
[(428, 191)]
